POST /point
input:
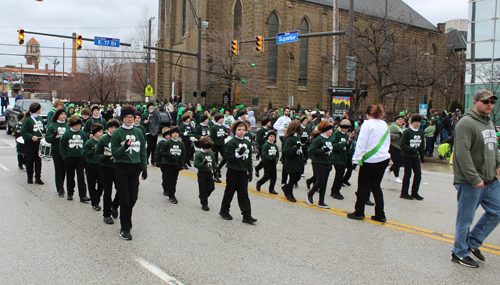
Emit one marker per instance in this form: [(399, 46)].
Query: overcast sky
[(119, 19)]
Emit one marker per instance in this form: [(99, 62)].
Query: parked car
[(22, 106)]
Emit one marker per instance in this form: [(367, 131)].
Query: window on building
[(303, 53), (238, 12), (272, 50)]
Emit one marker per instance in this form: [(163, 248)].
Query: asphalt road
[(48, 240)]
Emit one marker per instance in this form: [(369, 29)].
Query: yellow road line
[(389, 224)]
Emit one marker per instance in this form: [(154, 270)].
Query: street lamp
[(56, 62)]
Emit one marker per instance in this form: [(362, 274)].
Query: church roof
[(398, 11), (33, 41), (456, 39)]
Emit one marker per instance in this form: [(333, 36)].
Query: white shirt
[(369, 137), (281, 124)]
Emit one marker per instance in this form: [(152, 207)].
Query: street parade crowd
[(95, 147)]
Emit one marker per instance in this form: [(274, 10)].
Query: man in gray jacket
[(476, 165)]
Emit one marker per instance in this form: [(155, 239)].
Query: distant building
[(458, 24), (33, 54)]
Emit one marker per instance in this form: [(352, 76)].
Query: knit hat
[(137, 113), (270, 133), (58, 113), (113, 123), (175, 130), (203, 118), (73, 123), (345, 123), (95, 107), (127, 111), (265, 121)]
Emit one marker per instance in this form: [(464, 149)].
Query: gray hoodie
[(475, 157)]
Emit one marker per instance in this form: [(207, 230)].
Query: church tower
[(33, 53)]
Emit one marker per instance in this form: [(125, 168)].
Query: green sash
[(375, 149)]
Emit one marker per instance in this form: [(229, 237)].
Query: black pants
[(270, 173), (94, 175), (189, 149), (339, 178), (206, 186), (369, 179), (348, 168), (169, 177), (21, 152), (222, 150), (306, 156), (261, 162), (396, 160), (321, 173), (127, 184), (33, 159), (59, 170), (288, 188), (411, 163), (109, 177), (75, 164), (237, 181), (151, 141)]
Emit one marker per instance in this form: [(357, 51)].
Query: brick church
[(300, 69)]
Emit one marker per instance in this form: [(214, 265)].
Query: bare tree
[(486, 76), (449, 84)]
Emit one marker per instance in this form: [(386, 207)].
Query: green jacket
[(92, 120), (429, 131), (52, 137), (89, 151), (200, 157), (396, 133), (103, 152), (146, 116), (49, 116), (475, 157), (413, 140), (249, 137), (135, 153), (304, 136), (316, 152), (186, 131), (218, 134), (71, 144), (243, 162), (176, 148), (293, 158), (261, 137), (31, 128), (141, 127), (270, 153), (202, 131), (340, 146)]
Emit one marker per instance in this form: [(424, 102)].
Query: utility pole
[(335, 66), (63, 84), (350, 40), (148, 59)]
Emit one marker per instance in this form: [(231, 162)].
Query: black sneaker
[(323, 205), (185, 167), (96, 208), (70, 197), (257, 173), (337, 196), (125, 235), (465, 261), (271, 191), (417, 197), (382, 220), (249, 220), (407, 197), (205, 208), (257, 186), (308, 184), (477, 253), (354, 217), (108, 220), (309, 199), (219, 174), (173, 200), (217, 180), (39, 182), (30, 181), (291, 199), (369, 203), (114, 213), (189, 164), (296, 185), (346, 184), (84, 199), (60, 194), (226, 216)]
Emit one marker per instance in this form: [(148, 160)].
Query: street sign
[(137, 46), (341, 91), (225, 98), (422, 110), (149, 91), (287, 37), (107, 42)]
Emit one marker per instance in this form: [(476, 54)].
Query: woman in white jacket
[(372, 155)]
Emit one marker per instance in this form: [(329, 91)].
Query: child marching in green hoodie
[(93, 168), (172, 155), (32, 132), (293, 158), (412, 147), (340, 144), (56, 130), (204, 160), (71, 149), (270, 156), (239, 173), (218, 134), (187, 131), (260, 141), (129, 153)]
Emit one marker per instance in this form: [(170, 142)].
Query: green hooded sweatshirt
[(475, 157)]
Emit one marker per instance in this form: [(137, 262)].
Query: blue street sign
[(422, 110), (107, 42), (287, 37)]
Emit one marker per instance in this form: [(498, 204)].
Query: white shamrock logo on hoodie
[(61, 131), (134, 146), (245, 154), (76, 142)]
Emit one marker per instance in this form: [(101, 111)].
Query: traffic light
[(259, 47), (78, 42), (234, 47), (21, 36)]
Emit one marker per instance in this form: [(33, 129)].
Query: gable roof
[(456, 39), (398, 11), (33, 41)]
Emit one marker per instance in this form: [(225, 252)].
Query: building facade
[(301, 70)]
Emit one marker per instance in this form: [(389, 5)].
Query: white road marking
[(11, 143), (158, 272), (3, 167)]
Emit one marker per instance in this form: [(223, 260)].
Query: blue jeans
[(469, 199), (444, 135)]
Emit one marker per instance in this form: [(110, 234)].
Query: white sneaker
[(387, 174), (398, 180)]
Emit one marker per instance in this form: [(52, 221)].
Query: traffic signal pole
[(323, 34)]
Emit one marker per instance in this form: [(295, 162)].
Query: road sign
[(287, 37), (137, 46), (149, 91), (422, 110), (341, 91), (107, 42)]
